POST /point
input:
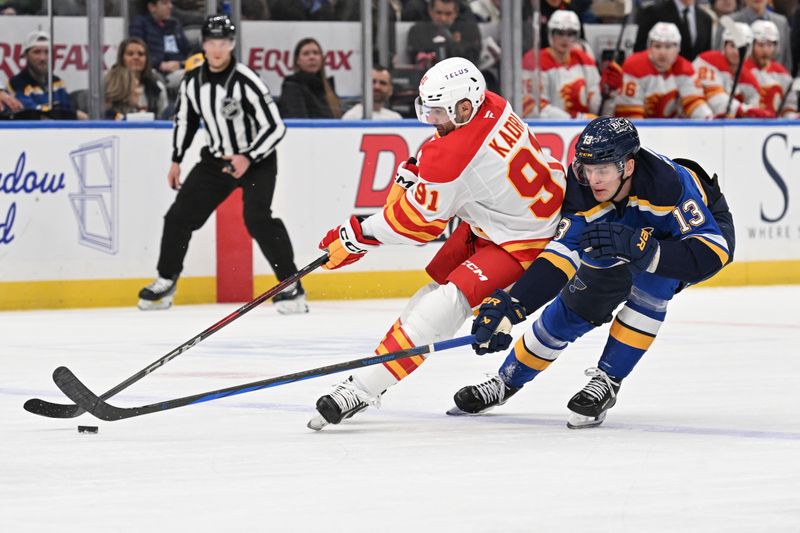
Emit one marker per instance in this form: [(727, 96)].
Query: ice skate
[(346, 400), (292, 301), (477, 399), (158, 295), (589, 405)]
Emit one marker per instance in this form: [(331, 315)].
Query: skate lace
[(160, 285), (599, 385), (491, 390), (348, 396)]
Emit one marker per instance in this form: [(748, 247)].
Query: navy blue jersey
[(665, 197)]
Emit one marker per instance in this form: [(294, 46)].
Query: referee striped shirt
[(236, 107)]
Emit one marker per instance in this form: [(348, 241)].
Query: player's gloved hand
[(405, 178), (755, 112), (611, 78), (346, 244), (611, 240), (492, 326)]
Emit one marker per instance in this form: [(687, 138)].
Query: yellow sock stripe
[(398, 370), (418, 359), (401, 339), (625, 335), (529, 359)]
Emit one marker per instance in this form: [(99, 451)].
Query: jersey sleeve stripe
[(405, 220), (699, 185), (644, 205), (690, 103), (560, 262), (596, 212), (721, 252)]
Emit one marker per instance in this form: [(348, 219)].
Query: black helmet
[(605, 140), (218, 27)]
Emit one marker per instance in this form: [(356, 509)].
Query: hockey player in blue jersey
[(636, 228)]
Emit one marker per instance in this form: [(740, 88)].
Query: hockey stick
[(740, 42), (626, 14), (80, 393), (794, 85), (57, 410)]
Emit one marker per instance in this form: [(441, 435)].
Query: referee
[(242, 128)]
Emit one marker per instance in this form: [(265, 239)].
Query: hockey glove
[(611, 240), (611, 79), (492, 326), (346, 244), (407, 175)]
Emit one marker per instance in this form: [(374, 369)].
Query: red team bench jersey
[(773, 80), (713, 73), (568, 90), (492, 174), (647, 93)]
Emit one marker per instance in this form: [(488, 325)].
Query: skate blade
[(317, 423), (455, 411), (577, 421), (149, 305)]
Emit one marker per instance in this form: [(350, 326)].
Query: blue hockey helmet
[(605, 140)]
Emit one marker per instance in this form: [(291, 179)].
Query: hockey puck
[(88, 429)]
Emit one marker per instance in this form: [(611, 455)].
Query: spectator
[(716, 9), (757, 10), (416, 10), (694, 25), (351, 11), (8, 8), (443, 36), (255, 10), (132, 54), (659, 83), (382, 89), (772, 76), (122, 92), (190, 12), (715, 71), (8, 102), (30, 85), (165, 39), (309, 93)]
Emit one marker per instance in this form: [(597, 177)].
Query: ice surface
[(705, 436)]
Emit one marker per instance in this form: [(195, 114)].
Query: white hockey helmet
[(444, 86), (564, 20), (765, 30), (664, 32), (744, 32)]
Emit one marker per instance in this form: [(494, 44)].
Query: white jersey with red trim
[(774, 79), (491, 173), (714, 74), (569, 90), (647, 93)]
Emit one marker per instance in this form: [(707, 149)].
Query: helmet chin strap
[(621, 183)]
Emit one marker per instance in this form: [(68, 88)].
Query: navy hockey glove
[(611, 240), (492, 326)]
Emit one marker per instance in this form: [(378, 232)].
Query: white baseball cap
[(36, 38)]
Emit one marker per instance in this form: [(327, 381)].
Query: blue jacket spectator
[(166, 42), (30, 85)]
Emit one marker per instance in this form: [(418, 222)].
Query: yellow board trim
[(66, 294)]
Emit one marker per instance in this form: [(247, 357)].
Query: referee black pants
[(204, 189)]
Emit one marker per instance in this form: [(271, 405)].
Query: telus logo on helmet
[(452, 75)]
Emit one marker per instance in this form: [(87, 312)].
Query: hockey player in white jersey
[(715, 71), (659, 83), (772, 76), (570, 80), (485, 167)]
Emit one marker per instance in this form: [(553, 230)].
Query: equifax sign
[(370, 194)]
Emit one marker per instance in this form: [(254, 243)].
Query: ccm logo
[(474, 268)]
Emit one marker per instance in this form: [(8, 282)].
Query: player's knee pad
[(435, 313), (594, 293)]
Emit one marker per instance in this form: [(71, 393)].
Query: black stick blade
[(79, 393), (52, 410)]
